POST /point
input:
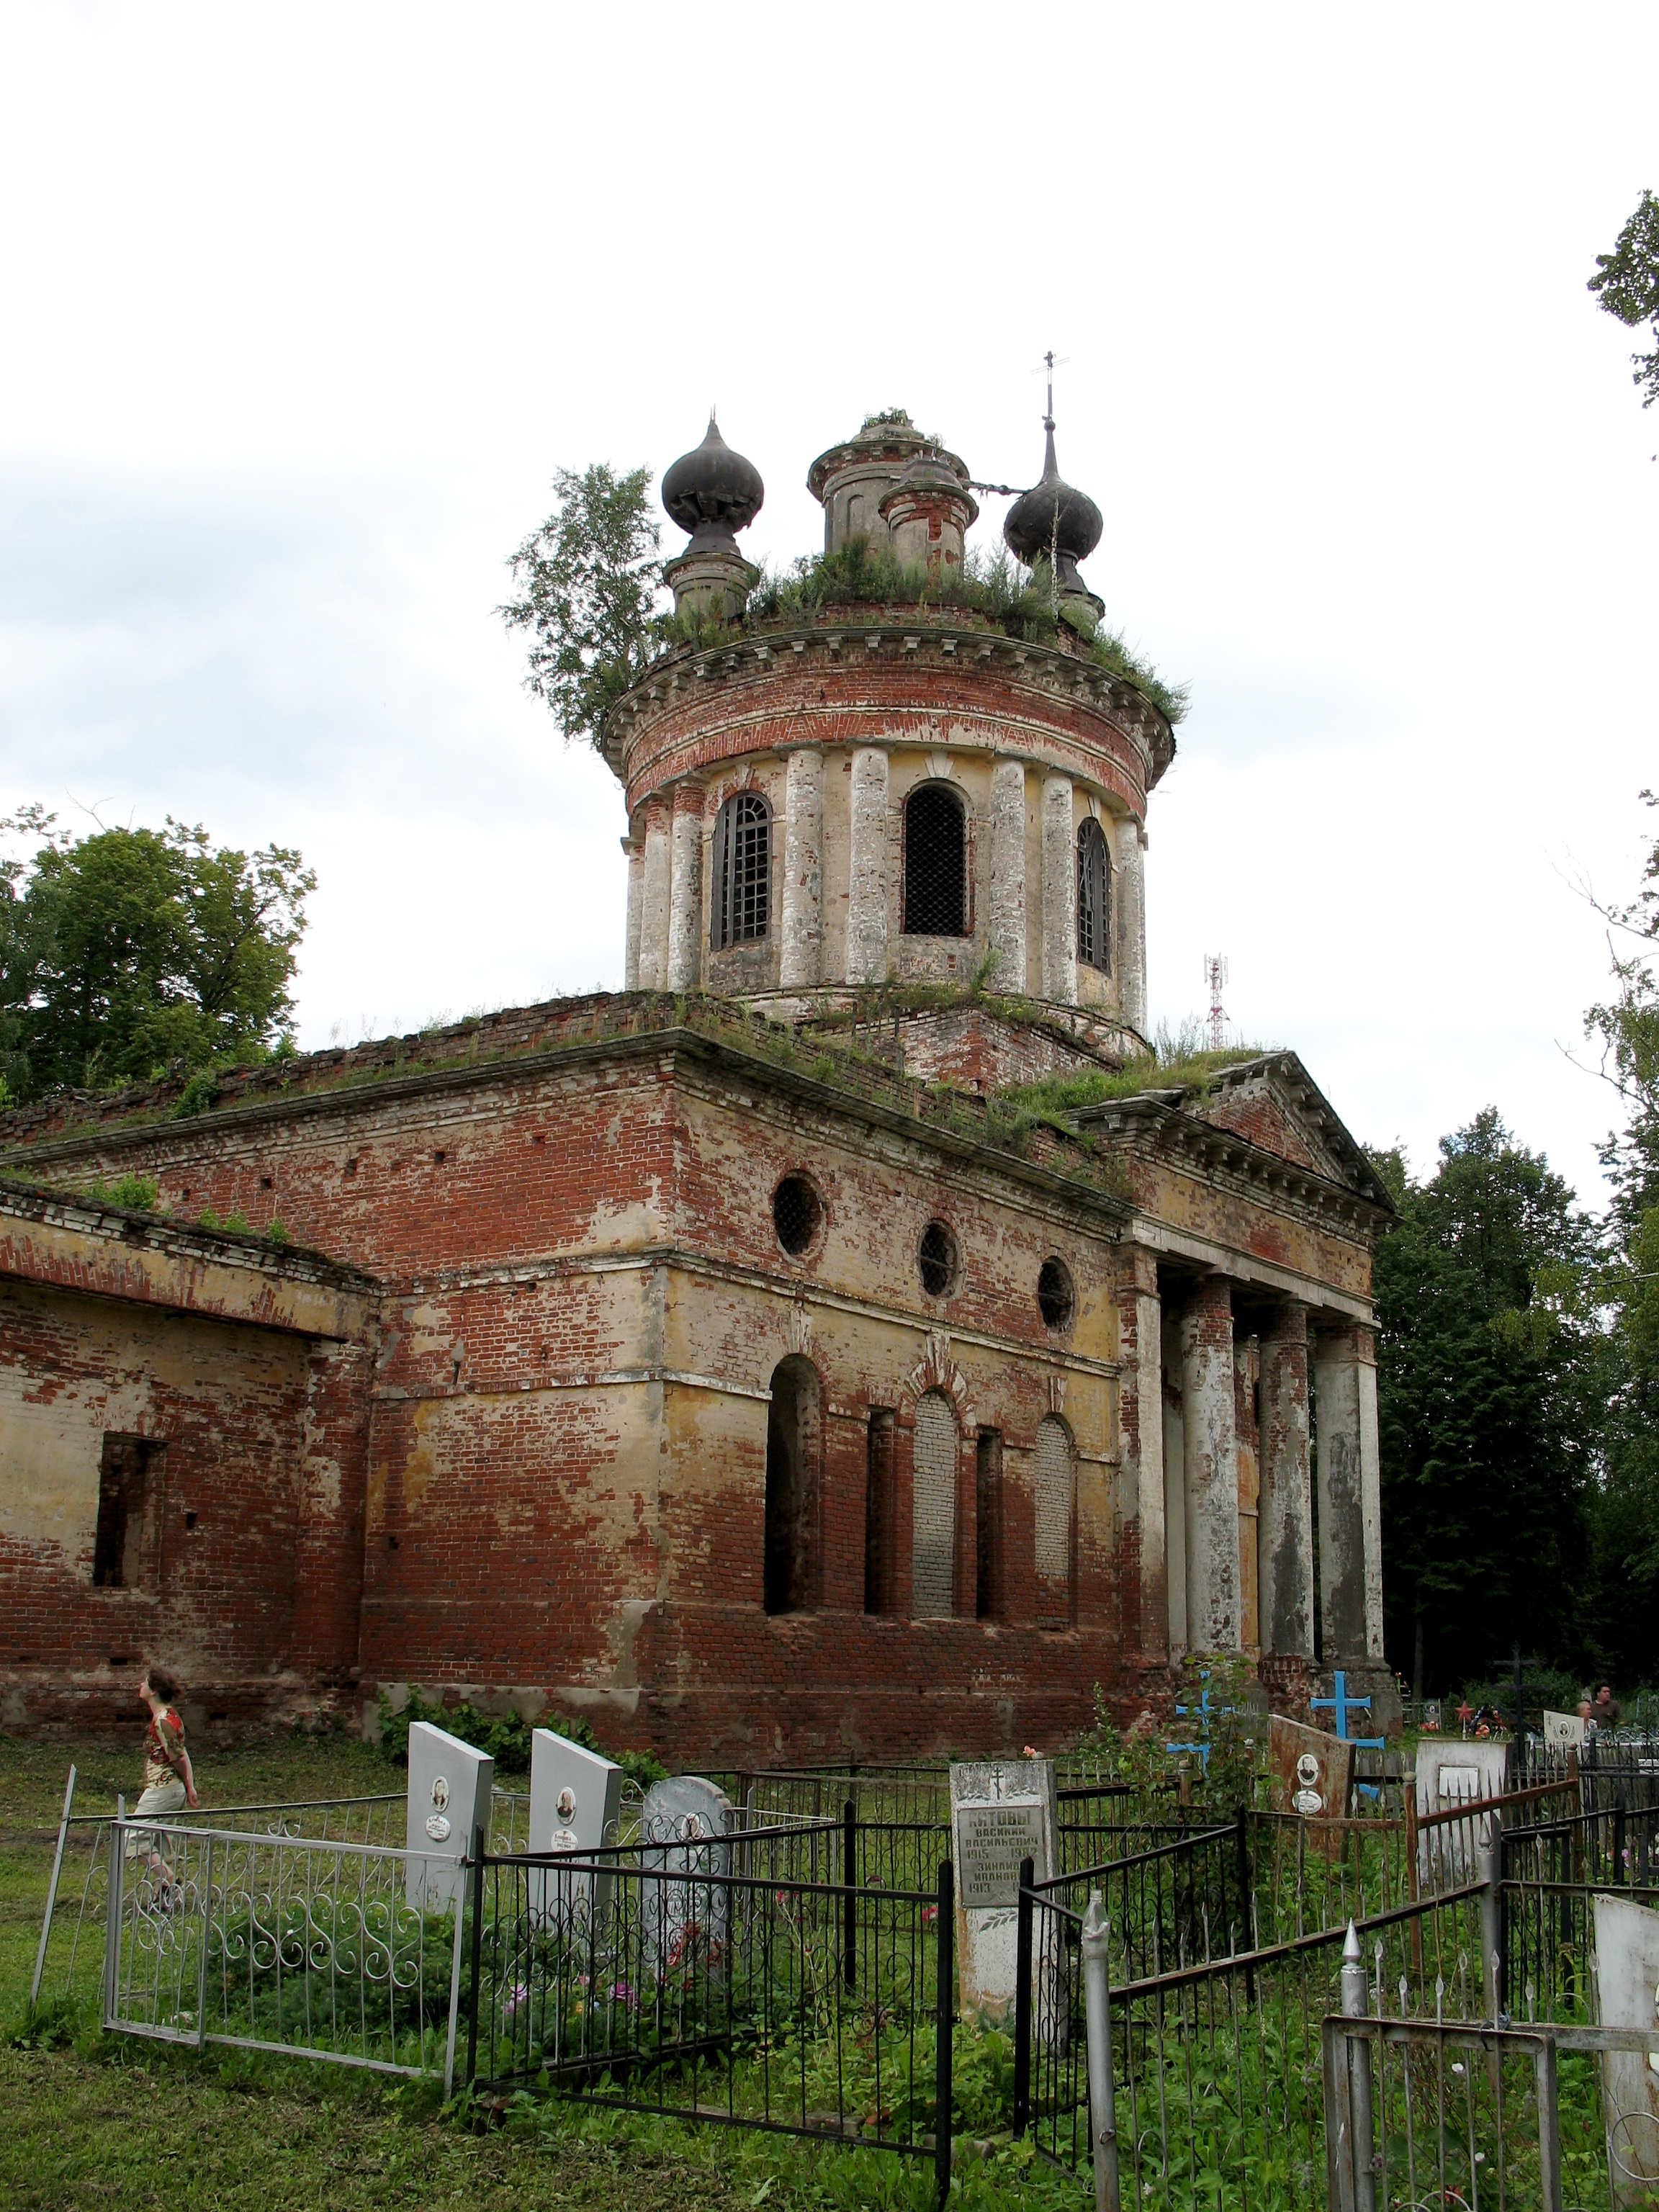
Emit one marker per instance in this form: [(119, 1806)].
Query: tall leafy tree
[(589, 580), (130, 950), (1491, 1361), (1626, 283), (1625, 1521)]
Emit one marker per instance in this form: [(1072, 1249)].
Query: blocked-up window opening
[(129, 1513), (1051, 1518), (935, 863), (988, 1525), (794, 1428), (933, 1508), (1094, 896), (879, 1512), (743, 869)]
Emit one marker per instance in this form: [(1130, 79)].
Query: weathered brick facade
[(731, 1369)]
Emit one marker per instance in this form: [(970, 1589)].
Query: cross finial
[(1048, 363)]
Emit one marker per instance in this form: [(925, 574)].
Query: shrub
[(506, 1737)]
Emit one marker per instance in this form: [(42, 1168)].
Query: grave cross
[(1205, 1714), (1342, 1704)]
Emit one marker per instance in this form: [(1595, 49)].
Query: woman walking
[(169, 1783)]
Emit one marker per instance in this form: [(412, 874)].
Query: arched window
[(933, 1508), (793, 1432), (935, 863), (1052, 1520), (743, 869), (1094, 896)]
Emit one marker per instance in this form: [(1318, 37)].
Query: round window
[(1055, 1300), (797, 1210), (936, 1259)]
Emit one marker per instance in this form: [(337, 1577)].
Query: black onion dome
[(712, 491), (1053, 517)]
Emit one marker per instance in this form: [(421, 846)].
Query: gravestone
[(1628, 1977), (1002, 1811), (449, 1787), (1564, 1731), (685, 1828), (1312, 1771), (575, 1805), (1451, 1774)]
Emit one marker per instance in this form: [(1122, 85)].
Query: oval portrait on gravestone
[(1307, 1802), (441, 1792), (1307, 1770)]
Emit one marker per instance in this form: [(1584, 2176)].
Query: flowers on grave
[(517, 1996), (1030, 1752)]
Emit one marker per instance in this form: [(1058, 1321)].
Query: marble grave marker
[(1002, 1811), (449, 1787)]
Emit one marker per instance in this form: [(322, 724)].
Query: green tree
[(1626, 283), (1490, 1362), (130, 949), (588, 580), (1625, 1508)]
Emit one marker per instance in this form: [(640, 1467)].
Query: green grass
[(90, 2120)]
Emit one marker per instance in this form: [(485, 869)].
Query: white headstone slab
[(685, 1824), (449, 1787), (1564, 1728), (1002, 1811), (1628, 1974), (1451, 1774), (575, 1805)]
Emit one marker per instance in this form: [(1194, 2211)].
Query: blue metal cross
[(1205, 1714), (1342, 1704)]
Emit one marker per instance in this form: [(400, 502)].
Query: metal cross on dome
[(1051, 361)]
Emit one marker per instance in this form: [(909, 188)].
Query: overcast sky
[(302, 307)]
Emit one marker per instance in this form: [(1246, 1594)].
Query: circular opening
[(797, 1211), (1054, 1298), (937, 1259)]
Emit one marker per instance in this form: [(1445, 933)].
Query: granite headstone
[(449, 1788)]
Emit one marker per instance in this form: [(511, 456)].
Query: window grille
[(743, 869), (935, 863), (796, 1213), (1053, 1513), (878, 1513), (936, 1260), (933, 1519), (1094, 897), (1055, 1302)]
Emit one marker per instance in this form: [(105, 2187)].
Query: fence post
[(944, 2092), (1102, 2093), (112, 1909), (1358, 2056), (478, 1946), (1246, 1897), (1022, 2000), (849, 1922), (1488, 1868), (51, 1892)]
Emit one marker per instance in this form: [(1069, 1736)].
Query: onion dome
[(713, 492), (1054, 519)]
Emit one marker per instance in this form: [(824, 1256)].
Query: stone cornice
[(891, 1103), (1159, 1126), (903, 636)]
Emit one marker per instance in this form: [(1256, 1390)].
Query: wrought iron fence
[(1212, 2094), (350, 1951), (744, 1978)]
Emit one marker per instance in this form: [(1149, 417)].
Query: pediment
[(1273, 1103)]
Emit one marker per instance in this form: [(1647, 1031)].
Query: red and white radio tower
[(1215, 975)]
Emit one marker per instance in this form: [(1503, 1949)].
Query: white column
[(1130, 949), (801, 968), (866, 904), (653, 897), (1008, 930), (1350, 1524), (634, 848), (1211, 1452), (1285, 1532), (685, 887), (1141, 1423), (1059, 892)]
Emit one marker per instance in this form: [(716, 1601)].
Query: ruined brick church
[(750, 1363)]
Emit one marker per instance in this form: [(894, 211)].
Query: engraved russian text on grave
[(992, 1840)]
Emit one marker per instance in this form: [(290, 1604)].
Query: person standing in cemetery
[(169, 1780), (1608, 1712)]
